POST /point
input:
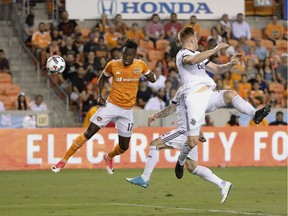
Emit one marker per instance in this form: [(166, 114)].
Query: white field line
[(134, 205), (195, 210)]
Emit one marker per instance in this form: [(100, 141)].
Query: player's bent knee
[(191, 165), (192, 142), (124, 146), (229, 95), (91, 130), (153, 143)]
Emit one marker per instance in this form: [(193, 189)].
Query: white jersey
[(180, 109), (193, 76)]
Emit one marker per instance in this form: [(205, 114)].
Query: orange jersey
[(41, 40), (125, 81), (136, 36), (196, 27), (274, 31), (263, 123), (112, 39)]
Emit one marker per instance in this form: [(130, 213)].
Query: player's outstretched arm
[(163, 113), (101, 82), (151, 77), (195, 59), (222, 68)]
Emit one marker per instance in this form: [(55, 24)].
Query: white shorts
[(123, 118), (176, 138), (198, 104)]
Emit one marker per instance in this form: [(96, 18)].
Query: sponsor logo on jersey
[(121, 79), (193, 121), (99, 119), (137, 70), (118, 72)]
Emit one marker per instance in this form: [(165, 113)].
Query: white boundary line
[(136, 205), (195, 210)]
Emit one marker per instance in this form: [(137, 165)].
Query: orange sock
[(116, 151), (77, 143)]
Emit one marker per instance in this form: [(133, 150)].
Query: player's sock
[(116, 151), (185, 149), (243, 106), (151, 162), (77, 143), (208, 175)]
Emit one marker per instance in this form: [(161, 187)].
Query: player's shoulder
[(138, 61), (115, 62), (185, 52)]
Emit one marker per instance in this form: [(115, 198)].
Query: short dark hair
[(130, 44), (279, 113), (185, 32), (1, 50)]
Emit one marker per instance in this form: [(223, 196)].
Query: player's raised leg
[(196, 118), (124, 125), (207, 174), (152, 160), (244, 107), (117, 150), (77, 143)]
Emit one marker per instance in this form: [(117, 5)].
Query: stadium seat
[(152, 64), (49, 7), (256, 33), (7, 102), (5, 78), (146, 44), (204, 32), (13, 90), (281, 45), (5, 86), (142, 52), (249, 8), (267, 43), (155, 55), (265, 11), (233, 42), (250, 43), (162, 44), (2, 90)]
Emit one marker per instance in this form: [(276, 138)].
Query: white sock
[(185, 149), (208, 175), (152, 160), (243, 106)]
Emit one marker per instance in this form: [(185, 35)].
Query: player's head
[(129, 52), (188, 36)]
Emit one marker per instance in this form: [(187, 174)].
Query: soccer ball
[(55, 64)]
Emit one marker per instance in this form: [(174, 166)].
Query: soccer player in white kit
[(198, 90), (175, 139)]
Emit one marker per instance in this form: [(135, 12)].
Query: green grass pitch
[(258, 191)]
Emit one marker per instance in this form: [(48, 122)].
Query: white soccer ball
[(55, 64)]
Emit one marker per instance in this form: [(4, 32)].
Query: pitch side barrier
[(38, 149)]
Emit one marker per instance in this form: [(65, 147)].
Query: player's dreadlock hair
[(185, 32), (131, 44)]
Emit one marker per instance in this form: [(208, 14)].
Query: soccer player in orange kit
[(125, 73)]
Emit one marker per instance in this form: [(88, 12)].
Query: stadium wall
[(29, 149)]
